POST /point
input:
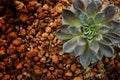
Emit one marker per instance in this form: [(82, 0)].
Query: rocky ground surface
[(29, 49)]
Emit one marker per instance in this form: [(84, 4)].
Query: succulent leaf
[(99, 5), (81, 41), (79, 50), (104, 29), (79, 5), (70, 18), (94, 7), (100, 17), (87, 57), (73, 30), (90, 21), (109, 12), (106, 41), (83, 18), (115, 25), (107, 50), (114, 37), (63, 28), (70, 45), (63, 36), (94, 46), (99, 55)]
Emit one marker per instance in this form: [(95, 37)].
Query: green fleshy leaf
[(94, 46), (90, 21), (79, 50), (115, 26), (81, 41), (93, 58), (73, 30), (99, 37), (64, 28), (109, 12), (76, 12), (70, 45), (107, 50), (99, 5), (79, 5), (63, 36), (114, 37), (104, 29), (99, 55), (106, 41), (83, 18), (94, 7), (99, 18), (70, 18), (87, 57)]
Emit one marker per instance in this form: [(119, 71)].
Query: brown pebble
[(21, 48), (100, 65), (59, 41), (60, 65), (39, 10), (51, 68), (1, 75), (13, 56), (19, 5), (32, 53), (73, 67), (45, 7), (11, 49), (45, 35), (61, 53), (32, 3), (68, 74), (6, 77), (106, 60), (59, 7), (2, 52), (38, 71), (2, 42), (54, 40), (77, 78), (17, 41), (48, 74), (51, 36), (11, 36), (43, 59), (23, 17), (36, 58), (48, 29), (55, 59), (22, 32), (19, 66), (77, 71)]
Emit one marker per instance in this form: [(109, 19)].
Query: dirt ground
[(29, 49)]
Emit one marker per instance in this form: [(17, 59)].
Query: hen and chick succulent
[(89, 31)]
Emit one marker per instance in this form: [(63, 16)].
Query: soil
[(29, 49)]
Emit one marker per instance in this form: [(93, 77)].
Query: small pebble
[(55, 59), (68, 74)]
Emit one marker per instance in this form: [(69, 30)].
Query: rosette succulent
[(89, 31)]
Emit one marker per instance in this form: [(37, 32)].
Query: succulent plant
[(89, 31)]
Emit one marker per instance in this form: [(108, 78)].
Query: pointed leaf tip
[(70, 18), (109, 12), (70, 45), (107, 50), (78, 5)]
